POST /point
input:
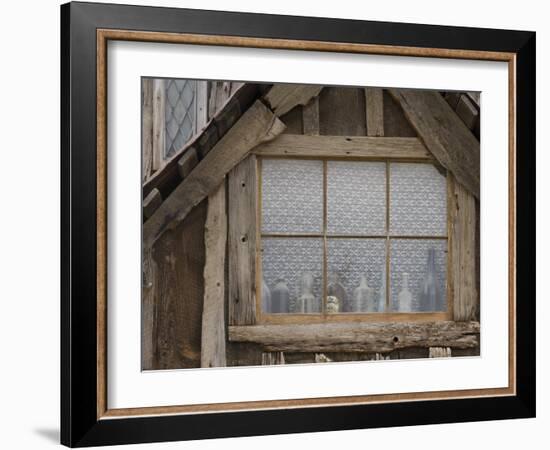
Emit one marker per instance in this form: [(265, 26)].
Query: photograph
[(303, 224)]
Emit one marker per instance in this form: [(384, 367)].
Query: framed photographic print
[(276, 224)]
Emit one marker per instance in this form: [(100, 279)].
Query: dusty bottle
[(335, 289), (364, 297), (305, 302), (404, 298), (280, 297), (429, 291), (266, 297)]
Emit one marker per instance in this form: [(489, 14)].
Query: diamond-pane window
[(180, 109)]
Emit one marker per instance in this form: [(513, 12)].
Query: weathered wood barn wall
[(187, 321)]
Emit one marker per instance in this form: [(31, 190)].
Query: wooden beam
[(147, 128), (257, 125), (462, 244), (283, 97), (310, 117), (151, 203), (374, 105), (444, 134), (358, 337), (213, 318), (159, 95), (242, 243), (344, 147), (187, 162)]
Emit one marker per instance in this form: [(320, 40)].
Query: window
[(342, 238)]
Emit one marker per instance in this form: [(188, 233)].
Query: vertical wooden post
[(159, 95), (147, 128), (213, 318), (374, 104), (310, 117)]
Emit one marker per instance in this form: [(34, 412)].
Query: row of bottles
[(364, 298)]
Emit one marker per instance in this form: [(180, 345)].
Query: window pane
[(292, 275), (292, 196), (418, 270), (356, 197), (179, 113), (357, 274), (418, 200)]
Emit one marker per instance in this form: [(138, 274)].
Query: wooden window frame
[(324, 317)]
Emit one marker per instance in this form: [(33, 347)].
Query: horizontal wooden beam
[(358, 337), (258, 124), (345, 147)]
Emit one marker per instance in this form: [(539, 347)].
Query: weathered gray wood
[(322, 358), (293, 121), (310, 117), (467, 111), (151, 203), (440, 352), (342, 112), (147, 128), (148, 290), (242, 182), (395, 123), (445, 135), (283, 97), (187, 162), (358, 337), (159, 95), (344, 146), (374, 103), (172, 317), (257, 125), (213, 318), (462, 244), (273, 358)]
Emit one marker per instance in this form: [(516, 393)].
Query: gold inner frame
[(104, 35), (322, 317)]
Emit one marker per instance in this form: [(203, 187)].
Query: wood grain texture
[(281, 98), (242, 241), (293, 121), (395, 122), (148, 290), (146, 128), (258, 124), (374, 104), (151, 203), (273, 358), (187, 162), (310, 117), (443, 133), (344, 147), (342, 112), (159, 95), (174, 319), (213, 317), (462, 243), (358, 337), (440, 352)]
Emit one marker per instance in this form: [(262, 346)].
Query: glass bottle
[(404, 298), (335, 289), (364, 297), (306, 301), (280, 297), (266, 297), (429, 291)]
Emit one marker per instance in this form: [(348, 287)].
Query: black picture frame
[(79, 423)]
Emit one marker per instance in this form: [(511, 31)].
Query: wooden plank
[(148, 290), (467, 111), (344, 147), (293, 121), (273, 358), (187, 162), (281, 98), (342, 112), (310, 117), (374, 104), (159, 95), (201, 105), (213, 317), (151, 203), (439, 352), (242, 184), (174, 320), (443, 133), (462, 244), (257, 125), (395, 123), (358, 337), (147, 128)]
